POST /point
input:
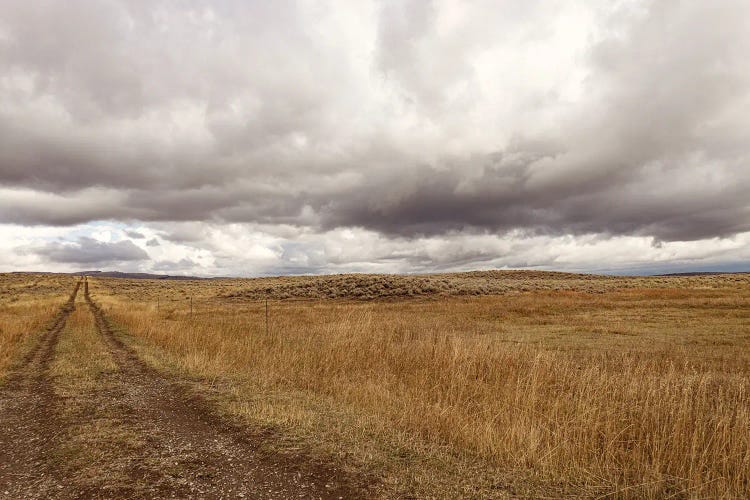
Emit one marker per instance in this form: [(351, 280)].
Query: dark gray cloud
[(396, 117), (90, 251), (134, 234)]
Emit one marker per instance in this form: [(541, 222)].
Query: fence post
[(266, 316), (191, 306)]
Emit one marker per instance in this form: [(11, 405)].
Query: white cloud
[(249, 250), (254, 137)]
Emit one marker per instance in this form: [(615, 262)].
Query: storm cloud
[(90, 251), (410, 120)]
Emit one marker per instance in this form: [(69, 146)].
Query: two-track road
[(131, 431)]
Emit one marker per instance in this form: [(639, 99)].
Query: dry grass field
[(478, 384), (473, 385), (27, 302)]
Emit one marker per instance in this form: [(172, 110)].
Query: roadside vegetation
[(27, 303), (478, 384)]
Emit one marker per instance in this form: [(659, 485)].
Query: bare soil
[(138, 433)]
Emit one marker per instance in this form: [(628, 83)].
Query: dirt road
[(29, 423), (107, 425)]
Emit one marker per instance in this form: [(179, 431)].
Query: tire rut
[(195, 452), (29, 418)]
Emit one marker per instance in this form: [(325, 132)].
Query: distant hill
[(704, 273), (145, 276), (503, 274)]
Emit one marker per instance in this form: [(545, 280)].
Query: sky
[(250, 138)]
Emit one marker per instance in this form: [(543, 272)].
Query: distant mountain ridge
[(145, 276), (703, 273), (506, 274)]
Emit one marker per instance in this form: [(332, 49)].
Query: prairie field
[(27, 302), (477, 384), (471, 385)]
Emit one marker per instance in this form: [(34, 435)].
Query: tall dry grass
[(27, 303), (666, 413)]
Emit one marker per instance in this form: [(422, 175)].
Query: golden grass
[(96, 440), (639, 390), (27, 303), (80, 355)]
